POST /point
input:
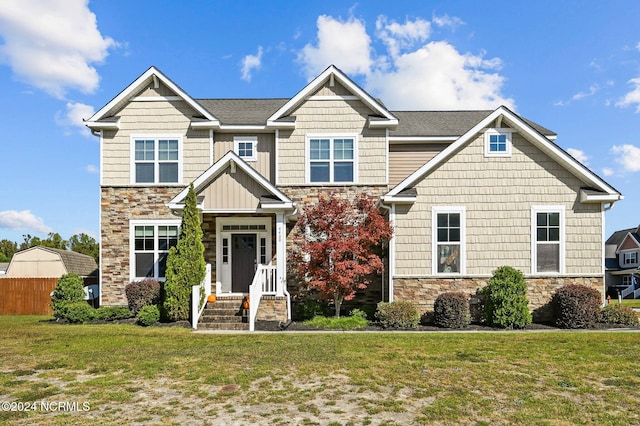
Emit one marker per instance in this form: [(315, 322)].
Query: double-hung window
[(156, 160), (246, 147), (497, 143), (331, 159), (630, 258), (150, 247), (448, 240), (547, 239)]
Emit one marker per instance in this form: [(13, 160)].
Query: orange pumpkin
[(245, 304), (211, 298)]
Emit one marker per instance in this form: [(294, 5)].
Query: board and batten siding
[(406, 158), (265, 163), (153, 118), (332, 116), (498, 194), (233, 191)]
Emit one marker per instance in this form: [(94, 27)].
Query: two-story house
[(622, 259), (466, 191)]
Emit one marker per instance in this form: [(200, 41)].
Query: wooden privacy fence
[(26, 296)]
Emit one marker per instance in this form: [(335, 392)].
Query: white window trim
[(498, 131), (254, 143), (630, 251), (331, 136), (534, 238), (132, 244), (435, 210), (156, 171)]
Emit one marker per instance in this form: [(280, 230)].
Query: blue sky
[(572, 66)]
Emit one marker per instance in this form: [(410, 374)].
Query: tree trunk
[(337, 301)]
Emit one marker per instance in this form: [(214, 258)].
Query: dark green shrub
[(112, 313), (576, 306), (614, 313), (69, 289), (353, 322), (358, 313), (506, 303), (451, 310), (148, 315), (397, 315), (311, 308), (79, 312), (142, 293)]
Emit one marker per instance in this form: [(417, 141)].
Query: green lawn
[(634, 303), (122, 374)]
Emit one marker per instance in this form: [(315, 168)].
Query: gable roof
[(242, 111), (598, 191), (619, 236), (332, 73), (633, 236), (275, 199), (104, 118)]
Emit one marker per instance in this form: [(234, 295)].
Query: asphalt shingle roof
[(76, 263)]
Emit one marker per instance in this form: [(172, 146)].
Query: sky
[(571, 66)]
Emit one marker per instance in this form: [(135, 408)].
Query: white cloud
[(437, 76), (398, 37), (24, 220), (579, 155), (447, 21), (628, 156), (73, 117), (52, 44), (91, 169), (250, 63), (412, 72), (633, 97), (345, 44), (607, 171)]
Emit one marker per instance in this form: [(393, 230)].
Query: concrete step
[(222, 326)]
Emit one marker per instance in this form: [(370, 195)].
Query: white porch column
[(281, 251)]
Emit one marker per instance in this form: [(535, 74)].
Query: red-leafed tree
[(338, 252)]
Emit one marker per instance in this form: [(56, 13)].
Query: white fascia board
[(211, 124), (342, 79), (98, 125), (274, 207), (421, 139), (146, 76), (383, 123), (398, 200), (586, 198), (272, 124)]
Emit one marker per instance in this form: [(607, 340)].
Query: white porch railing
[(631, 289), (196, 290), (264, 283)]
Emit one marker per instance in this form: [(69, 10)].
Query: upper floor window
[(548, 239), (497, 143), (156, 159), (448, 240), (331, 159), (246, 147), (630, 258)]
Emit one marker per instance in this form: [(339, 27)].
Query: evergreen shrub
[(451, 310), (615, 313), (576, 306), (397, 315), (79, 312), (69, 289), (148, 315), (506, 303)]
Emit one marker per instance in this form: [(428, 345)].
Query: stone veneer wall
[(119, 205), (272, 308), (304, 195), (423, 292)]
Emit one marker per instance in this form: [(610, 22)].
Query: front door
[(243, 258)]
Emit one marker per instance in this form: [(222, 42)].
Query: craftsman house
[(466, 191), (622, 254)]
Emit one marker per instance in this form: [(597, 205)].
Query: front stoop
[(226, 313)]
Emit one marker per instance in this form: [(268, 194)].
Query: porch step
[(226, 313)]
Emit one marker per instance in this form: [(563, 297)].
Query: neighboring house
[(466, 191), (622, 254), (46, 262)]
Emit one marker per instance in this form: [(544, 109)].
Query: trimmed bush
[(354, 322), (576, 306), (397, 315), (142, 293), (148, 315), (79, 312), (69, 289), (506, 303), (451, 310), (112, 313), (614, 313), (311, 308)]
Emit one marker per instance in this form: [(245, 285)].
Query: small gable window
[(630, 258), (497, 143), (246, 147)]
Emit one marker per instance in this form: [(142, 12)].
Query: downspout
[(391, 250), (284, 287)]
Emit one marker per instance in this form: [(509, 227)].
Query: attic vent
[(331, 81)]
